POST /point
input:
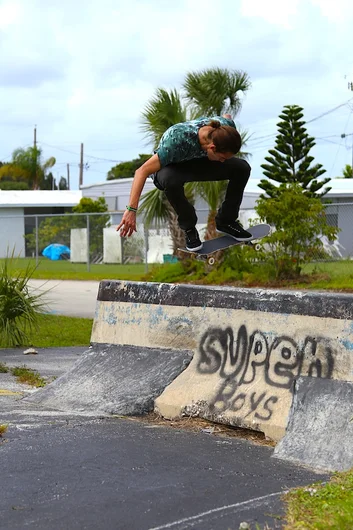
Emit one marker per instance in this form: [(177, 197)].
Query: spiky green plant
[(19, 307)]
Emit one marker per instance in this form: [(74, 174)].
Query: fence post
[(146, 248), (88, 264), (37, 241)]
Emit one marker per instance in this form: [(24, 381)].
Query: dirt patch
[(205, 426)]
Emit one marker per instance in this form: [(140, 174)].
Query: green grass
[(322, 507), (337, 275), (57, 331), (65, 270), (28, 376), (3, 368)]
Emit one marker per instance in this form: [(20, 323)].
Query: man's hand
[(128, 224)]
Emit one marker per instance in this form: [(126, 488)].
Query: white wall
[(12, 231)]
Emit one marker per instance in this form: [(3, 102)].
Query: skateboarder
[(194, 151)]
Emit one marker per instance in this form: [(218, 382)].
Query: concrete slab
[(320, 425), (114, 380)]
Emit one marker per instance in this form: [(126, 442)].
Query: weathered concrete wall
[(249, 345)]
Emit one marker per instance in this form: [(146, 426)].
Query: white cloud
[(277, 12)]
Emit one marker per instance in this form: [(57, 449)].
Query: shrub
[(19, 308)]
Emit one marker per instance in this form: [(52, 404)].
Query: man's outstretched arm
[(128, 223)]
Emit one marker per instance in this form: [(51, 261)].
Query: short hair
[(225, 138)]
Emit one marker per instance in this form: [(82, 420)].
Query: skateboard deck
[(221, 243)]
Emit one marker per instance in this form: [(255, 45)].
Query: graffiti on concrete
[(256, 369)]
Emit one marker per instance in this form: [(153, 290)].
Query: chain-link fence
[(92, 239)]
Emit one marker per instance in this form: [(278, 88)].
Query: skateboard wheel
[(211, 261)]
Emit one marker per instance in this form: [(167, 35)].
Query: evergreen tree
[(289, 162)]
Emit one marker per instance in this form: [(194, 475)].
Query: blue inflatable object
[(56, 251)]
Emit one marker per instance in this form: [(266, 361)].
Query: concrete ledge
[(320, 425), (250, 345), (113, 379)]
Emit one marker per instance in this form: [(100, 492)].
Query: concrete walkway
[(67, 297)]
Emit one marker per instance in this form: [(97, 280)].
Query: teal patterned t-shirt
[(181, 141)]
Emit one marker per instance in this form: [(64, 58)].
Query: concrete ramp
[(320, 425), (114, 379), (249, 345)]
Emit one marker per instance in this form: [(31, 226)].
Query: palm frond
[(216, 91), (154, 207), (161, 112)]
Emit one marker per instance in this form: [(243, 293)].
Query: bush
[(19, 308), (300, 222)]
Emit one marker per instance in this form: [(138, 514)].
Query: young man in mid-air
[(194, 151)]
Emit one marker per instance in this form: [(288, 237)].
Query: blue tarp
[(55, 251)]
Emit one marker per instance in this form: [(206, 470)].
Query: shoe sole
[(194, 249), (236, 238)]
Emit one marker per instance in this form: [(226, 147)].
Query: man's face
[(212, 154)]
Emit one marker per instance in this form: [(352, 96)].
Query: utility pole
[(35, 184), (68, 176), (81, 167)]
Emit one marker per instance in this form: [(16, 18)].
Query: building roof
[(340, 187), (39, 198)]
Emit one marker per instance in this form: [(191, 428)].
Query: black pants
[(171, 180)]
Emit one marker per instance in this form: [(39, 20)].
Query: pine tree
[(289, 161)]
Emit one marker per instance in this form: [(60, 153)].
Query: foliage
[(348, 172), (289, 162), (13, 185), (27, 164), (127, 169), (58, 229), (161, 112), (215, 91), (299, 222), (19, 307)]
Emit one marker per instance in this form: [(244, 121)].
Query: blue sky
[(84, 71)]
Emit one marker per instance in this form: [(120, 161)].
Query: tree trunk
[(211, 231)]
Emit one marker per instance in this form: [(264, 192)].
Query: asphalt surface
[(123, 474), (62, 471)]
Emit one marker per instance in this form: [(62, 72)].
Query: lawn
[(65, 270), (56, 331), (337, 275)]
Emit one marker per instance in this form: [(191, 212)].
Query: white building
[(340, 212), (18, 211)]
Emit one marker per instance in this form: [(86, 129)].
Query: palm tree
[(27, 164), (161, 112), (215, 92)]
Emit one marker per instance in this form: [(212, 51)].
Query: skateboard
[(221, 243)]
